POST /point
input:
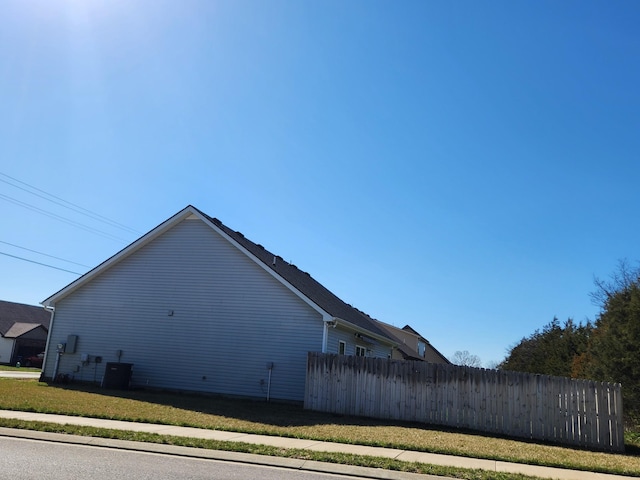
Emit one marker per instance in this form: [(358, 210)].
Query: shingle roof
[(303, 282), (408, 351), (11, 313), (19, 329), (407, 339)]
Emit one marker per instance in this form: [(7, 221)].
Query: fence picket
[(572, 412)]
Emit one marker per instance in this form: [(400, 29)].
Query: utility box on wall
[(72, 341)]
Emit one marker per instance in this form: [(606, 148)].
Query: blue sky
[(463, 167)]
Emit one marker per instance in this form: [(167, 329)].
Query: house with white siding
[(195, 306), (23, 331), (411, 345)]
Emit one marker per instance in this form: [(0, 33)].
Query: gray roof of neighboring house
[(19, 329), (408, 334), (18, 313), (303, 282)]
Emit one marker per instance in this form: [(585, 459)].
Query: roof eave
[(356, 328), (325, 315), (156, 232)]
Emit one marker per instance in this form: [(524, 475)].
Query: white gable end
[(191, 311)]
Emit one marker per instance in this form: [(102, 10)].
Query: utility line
[(66, 204), (44, 254), (61, 218), (39, 263)]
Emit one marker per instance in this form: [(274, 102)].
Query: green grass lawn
[(293, 421)]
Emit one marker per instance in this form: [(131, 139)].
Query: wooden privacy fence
[(553, 409)]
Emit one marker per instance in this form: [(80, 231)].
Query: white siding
[(6, 349), (229, 319), (337, 334)]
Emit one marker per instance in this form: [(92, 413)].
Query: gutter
[(335, 321)]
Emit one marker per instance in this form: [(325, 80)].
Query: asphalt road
[(23, 459)]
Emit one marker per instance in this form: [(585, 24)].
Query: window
[(422, 348), (360, 351), (342, 347)]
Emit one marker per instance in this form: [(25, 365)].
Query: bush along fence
[(559, 410)]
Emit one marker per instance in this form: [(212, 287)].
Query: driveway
[(19, 374)]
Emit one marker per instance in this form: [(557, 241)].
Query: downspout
[(332, 322), (270, 367), (325, 336), (46, 348), (55, 369)]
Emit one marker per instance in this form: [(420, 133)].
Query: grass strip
[(329, 457), (292, 421)]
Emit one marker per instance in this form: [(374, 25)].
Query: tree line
[(606, 349)]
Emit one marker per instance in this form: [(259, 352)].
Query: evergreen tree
[(606, 350), (551, 351), (613, 350)]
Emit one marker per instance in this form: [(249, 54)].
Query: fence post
[(572, 412)]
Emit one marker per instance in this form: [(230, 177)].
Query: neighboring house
[(23, 331), (412, 345), (195, 306)]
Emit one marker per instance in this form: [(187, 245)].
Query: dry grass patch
[(293, 421), (330, 457)]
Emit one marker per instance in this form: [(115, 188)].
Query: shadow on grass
[(276, 414), (283, 415)]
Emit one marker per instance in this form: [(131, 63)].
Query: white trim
[(46, 346), (125, 252), (356, 329), (325, 316), (191, 213)]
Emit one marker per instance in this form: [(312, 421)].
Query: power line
[(66, 204), (61, 218), (44, 254), (39, 263)]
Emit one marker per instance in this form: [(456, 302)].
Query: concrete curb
[(247, 458), (282, 442)]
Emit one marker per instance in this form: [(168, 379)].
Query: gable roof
[(12, 313), (19, 329), (295, 279), (303, 282), (407, 339)]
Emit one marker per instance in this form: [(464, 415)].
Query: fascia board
[(325, 315), (159, 230), (125, 252), (355, 328)]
